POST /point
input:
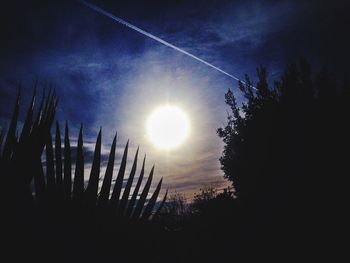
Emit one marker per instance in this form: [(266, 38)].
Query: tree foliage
[(285, 151), (285, 146)]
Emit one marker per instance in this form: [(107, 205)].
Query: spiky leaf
[(141, 201), (150, 205), (11, 133), (50, 169), (78, 187), (67, 179), (40, 111), (29, 118), (92, 188), (161, 205), (58, 157), (126, 192), (119, 181), (107, 180), (136, 190)]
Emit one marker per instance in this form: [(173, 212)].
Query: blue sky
[(108, 75)]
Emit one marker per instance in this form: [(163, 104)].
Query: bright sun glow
[(167, 127)]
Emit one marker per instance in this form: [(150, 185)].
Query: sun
[(167, 127)]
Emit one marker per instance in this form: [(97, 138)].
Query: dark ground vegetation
[(286, 154)]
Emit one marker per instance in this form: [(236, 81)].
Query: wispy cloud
[(108, 76)]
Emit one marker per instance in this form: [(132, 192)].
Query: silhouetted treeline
[(286, 152)]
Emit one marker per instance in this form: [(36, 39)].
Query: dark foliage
[(285, 152), (286, 155), (50, 215)]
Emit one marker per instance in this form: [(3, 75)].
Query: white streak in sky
[(143, 32)]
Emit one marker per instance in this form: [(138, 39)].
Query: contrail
[(143, 32)]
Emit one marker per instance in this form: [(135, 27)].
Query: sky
[(109, 76)]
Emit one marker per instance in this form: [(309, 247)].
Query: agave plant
[(21, 164), (20, 160)]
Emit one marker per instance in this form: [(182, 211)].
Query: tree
[(284, 152), (248, 132)]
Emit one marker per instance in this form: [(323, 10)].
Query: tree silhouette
[(285, 151)]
